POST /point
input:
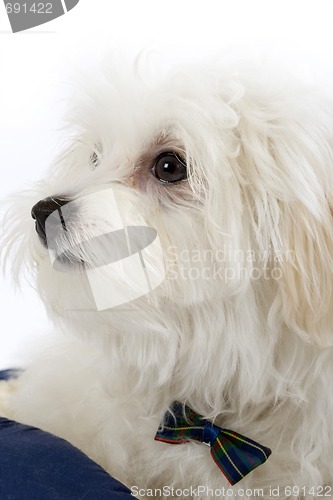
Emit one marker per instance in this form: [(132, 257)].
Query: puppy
[(183, 247)]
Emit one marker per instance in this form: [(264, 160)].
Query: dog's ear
[(304, 269), (288, 165)]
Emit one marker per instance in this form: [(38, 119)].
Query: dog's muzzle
[(42, 210)]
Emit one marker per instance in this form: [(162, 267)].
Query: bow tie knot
[(234, 454), (210, 433)]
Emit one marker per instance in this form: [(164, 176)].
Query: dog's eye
[(169, 168), (94, 160)]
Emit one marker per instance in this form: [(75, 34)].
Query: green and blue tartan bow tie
[(234, 454)]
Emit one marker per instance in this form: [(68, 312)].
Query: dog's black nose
[(42, 210)]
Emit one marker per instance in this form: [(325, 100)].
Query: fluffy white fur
[(242, 327)]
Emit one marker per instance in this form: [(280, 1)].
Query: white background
[(34, 66)]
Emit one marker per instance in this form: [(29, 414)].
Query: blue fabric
[(35, 465), (11, 373)]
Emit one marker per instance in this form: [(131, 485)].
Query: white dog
[(231, 168)]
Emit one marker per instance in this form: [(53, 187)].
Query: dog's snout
[(42, 210)]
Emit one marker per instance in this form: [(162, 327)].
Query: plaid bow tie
[(234, 454)]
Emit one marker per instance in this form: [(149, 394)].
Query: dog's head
[(197, 201)]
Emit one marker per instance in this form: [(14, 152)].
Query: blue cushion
[(35, 465), (11, 373)]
